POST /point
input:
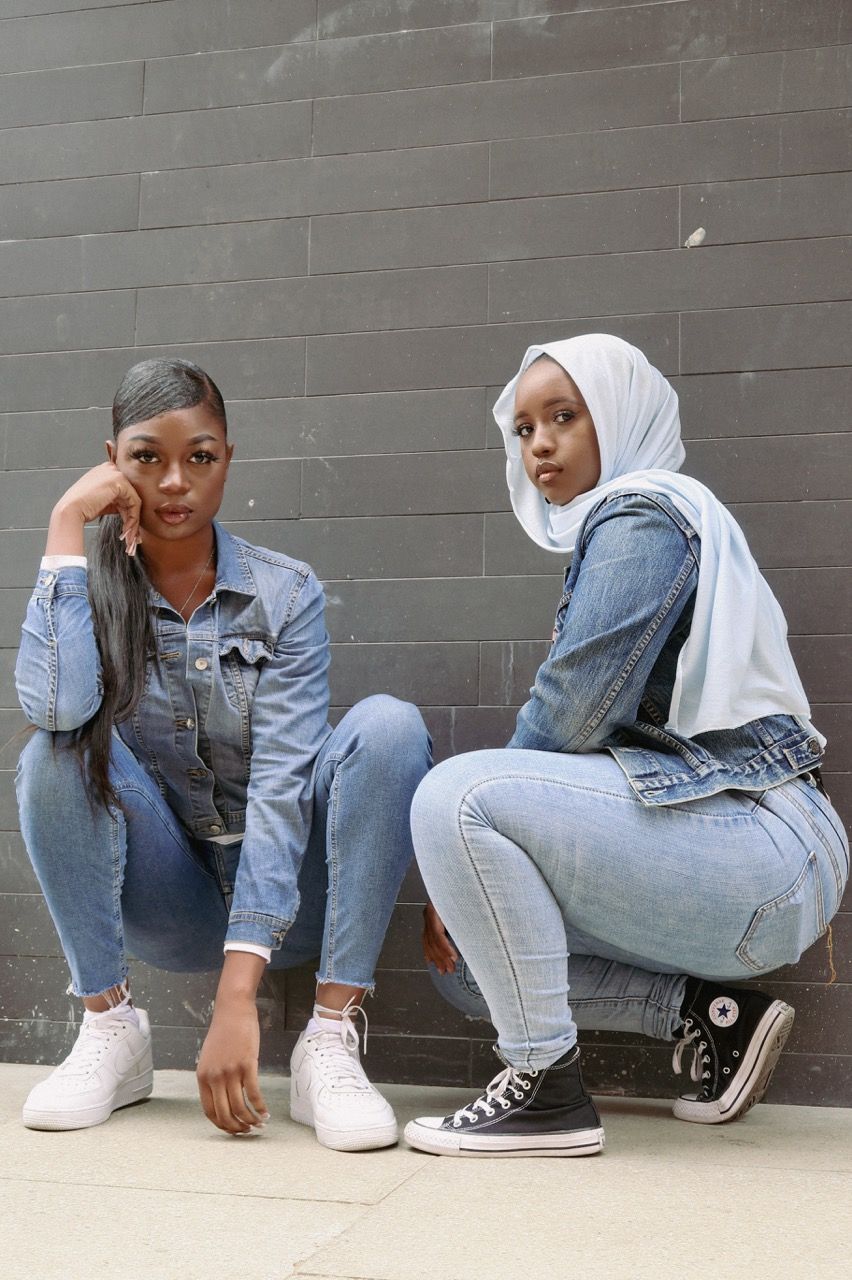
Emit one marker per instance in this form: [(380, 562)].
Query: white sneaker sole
[(443, 1142), (752, 1080), (136, 1089), (365, 1139)]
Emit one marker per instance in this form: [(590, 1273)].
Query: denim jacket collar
[(232, 566)]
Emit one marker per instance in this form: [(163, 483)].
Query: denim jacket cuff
[(70, 580), (252, 926)]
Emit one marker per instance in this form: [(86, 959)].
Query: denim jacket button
[(190, 723), (813, 746), (201, 664), (215, 829)]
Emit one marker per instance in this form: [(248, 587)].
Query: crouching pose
[(184, 795), (657, 827)]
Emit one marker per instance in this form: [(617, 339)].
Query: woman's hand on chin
[(103, 491), (437, 947), (227, 1067)]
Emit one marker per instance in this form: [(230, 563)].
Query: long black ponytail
[(118, 583)]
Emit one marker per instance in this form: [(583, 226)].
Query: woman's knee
[(393, 730), (440, 799), (396, 718)]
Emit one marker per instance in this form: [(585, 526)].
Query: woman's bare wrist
[(240, 978), (65, 532)]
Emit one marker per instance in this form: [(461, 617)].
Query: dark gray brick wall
[(357, 215)]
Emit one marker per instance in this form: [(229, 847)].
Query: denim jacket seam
[(295, 591), (615, 688), (59, 589), (658, 500), (277, 925), (52, 667)]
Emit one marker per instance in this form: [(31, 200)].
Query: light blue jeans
[(551, 876), (134, 882)]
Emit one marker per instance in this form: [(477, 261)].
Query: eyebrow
[(555, 400), (195, 439)]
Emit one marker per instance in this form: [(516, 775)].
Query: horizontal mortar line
[(74, 66), (817, 48), (665, 186), (419, 644), (284, 102), (544, 257), (149, 115), (83, 351), (685, 312), (418, 266), (30, 17), (524, 80), (171, 57), (487, 448), (415, 644), (535, 137), (842, 236), (775, 437), (640, 4), (429, 328), (319, 457), (516, 706), (804, 982), (545, 137), (342, 213), (133, 231), (557, 573)]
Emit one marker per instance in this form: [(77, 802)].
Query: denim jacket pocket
[(240, 661), (786, 926)]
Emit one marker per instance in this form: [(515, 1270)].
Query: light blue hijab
[(736, 664)]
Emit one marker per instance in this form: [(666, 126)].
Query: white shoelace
[(338, 1050), (92, 1045), (699, 1057), (507, 1081)]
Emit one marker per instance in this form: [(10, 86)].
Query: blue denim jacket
[(233, 715), (607, 682)]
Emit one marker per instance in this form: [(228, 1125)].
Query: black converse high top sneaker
[(736, 1037), (521, 1113)]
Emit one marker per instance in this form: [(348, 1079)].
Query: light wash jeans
[(134, 881), (551, 876)]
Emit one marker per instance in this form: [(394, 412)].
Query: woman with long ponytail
[(183, 798)]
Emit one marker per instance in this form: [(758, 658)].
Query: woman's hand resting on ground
[(437, 947), (227, 1067), (103, 491)]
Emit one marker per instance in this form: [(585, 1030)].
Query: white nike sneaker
[(329, 1090), (110, 1066)]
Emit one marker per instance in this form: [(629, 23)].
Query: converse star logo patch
[(724, 1011)]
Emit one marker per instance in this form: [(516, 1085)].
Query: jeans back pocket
[(786, 926)]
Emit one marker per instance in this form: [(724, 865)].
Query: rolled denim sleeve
[(638, 570), (58, 671), (289, 724)]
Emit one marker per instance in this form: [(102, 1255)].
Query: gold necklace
[(198, 580)]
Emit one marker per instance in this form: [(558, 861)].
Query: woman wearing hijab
[(657, 827)]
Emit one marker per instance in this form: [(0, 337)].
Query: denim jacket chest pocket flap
[(241, 660)]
